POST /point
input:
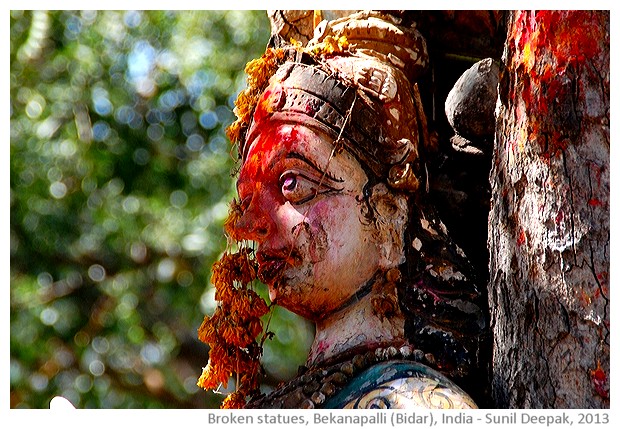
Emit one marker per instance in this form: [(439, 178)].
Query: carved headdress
[(355, 81)]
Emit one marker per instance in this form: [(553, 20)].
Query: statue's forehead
[(274, 138), (294, 141), (273, 142)]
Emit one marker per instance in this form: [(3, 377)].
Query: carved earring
[(385, 299)]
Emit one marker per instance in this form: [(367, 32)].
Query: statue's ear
[(390, 218)]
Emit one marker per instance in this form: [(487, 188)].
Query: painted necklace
[(382, 378)]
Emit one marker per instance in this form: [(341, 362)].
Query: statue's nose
[(254, 224)]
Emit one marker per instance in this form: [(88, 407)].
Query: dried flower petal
[(258, 73), (331, 45), (206, 332), (235, 400), (234, 214)]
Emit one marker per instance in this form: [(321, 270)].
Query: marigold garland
[(258, 73), (233, 329), (330, 46)]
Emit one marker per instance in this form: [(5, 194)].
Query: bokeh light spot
[(58, 190), (208, 120), (96, 368), (178, 198), (141, 156), (34, 108), (96, 273), (165, 270), (49, 316)]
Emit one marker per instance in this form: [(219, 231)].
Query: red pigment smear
[(571, 35), (271, 145), (547, 44), (264, 107), (602, 275), (598, 171), (594, 202), (521, 239), (599, 380), (257, 178)]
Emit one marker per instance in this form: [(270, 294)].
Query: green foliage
[(120, 182)]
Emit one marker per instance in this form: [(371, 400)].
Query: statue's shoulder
[(401, 384)]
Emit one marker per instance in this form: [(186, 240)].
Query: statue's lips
[(273, 262), (269, 270)]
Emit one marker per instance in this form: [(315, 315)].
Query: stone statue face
[(304, 207)]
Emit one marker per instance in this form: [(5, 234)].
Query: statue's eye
[(298, 189), (289, 183)]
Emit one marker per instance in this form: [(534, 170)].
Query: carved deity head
[(329, 161), (333, 188)]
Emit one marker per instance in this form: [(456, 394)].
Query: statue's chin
[(281, 295), (273, 294)]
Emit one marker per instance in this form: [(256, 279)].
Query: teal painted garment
[(401, 384)]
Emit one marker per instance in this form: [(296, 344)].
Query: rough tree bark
[(549, 221)]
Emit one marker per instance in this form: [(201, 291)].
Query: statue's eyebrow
[(295, 155)]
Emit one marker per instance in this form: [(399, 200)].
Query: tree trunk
[(549, 221)]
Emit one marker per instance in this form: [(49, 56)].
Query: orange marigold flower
[(212, 376), (258, 73), (244, 104), (261, 69), (226, 328), (250, 361), (220, 367), (255, 327), (258, 306), (250, 382), (226, 331), (239, 336), (235, 400), (331, 45), (233, 132), (234, 214), (232, 330), (245, 268), (248, 304), (240, 329), (231, 267), (238, 304), (205, 380), (224, 292), (221, 272), (207, 330)]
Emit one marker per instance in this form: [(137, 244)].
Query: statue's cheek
[(324, 230), (318, 243)]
